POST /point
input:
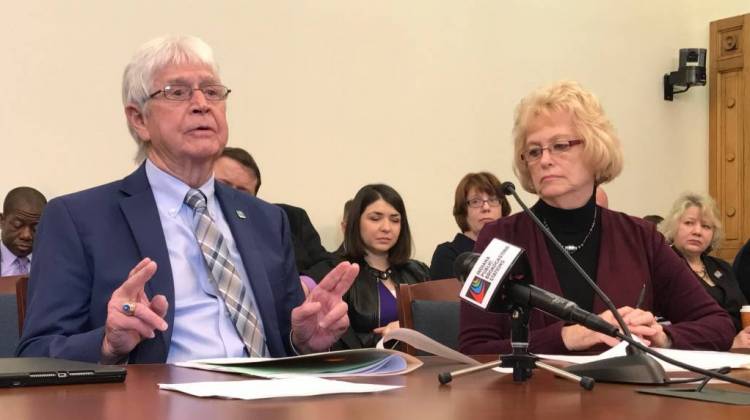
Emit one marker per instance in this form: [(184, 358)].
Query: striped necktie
[(20, 266), (221, 270)]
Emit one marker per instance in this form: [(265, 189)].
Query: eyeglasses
[(478, 202), (185, 92), (534, 153)]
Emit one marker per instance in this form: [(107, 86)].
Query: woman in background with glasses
[(693, 228), (564, 147), (477, 202)]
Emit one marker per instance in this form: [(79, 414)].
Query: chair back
[(12, 311), (14, 289), (432, 308)]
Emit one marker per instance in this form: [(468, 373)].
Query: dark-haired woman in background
[(476, 203), (377, 237)]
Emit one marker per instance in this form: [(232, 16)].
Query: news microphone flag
[(492, 266)]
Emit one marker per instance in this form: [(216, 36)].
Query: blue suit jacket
[(88, 242)]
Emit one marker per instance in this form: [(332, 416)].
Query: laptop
[(33, 371)]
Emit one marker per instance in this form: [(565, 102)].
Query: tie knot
[(195, 199), (23, 264)]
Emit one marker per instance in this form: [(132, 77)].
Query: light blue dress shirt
[(202, 327), (10, 265)]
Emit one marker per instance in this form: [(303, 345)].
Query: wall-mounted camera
[(692, 72)]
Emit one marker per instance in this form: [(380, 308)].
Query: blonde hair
[(709, 212), (601, 147)]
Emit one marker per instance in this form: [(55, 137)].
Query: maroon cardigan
[(632, 253)]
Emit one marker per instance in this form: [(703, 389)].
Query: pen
[(641, 297)]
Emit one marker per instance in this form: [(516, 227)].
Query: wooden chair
[(18, 286), (432, 308)]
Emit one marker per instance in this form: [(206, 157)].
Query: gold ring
[(129, 308)]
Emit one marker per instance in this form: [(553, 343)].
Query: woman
[(476, 203), (377, 237), (693, 229), (564, 148)]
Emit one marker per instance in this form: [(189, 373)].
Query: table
[(482, 396)]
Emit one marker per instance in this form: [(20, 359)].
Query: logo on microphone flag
[(478, 289)]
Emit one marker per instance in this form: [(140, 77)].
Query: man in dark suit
[(166, 264), (237, 168)]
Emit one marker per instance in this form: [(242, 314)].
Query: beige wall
[(331, 95)]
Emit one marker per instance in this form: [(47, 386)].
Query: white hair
[(151, 58)]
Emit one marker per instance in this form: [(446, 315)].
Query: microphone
[(636, 367), (528, 295)]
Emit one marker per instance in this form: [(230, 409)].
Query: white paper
[(422, 342), (701, 359), (274, 388)]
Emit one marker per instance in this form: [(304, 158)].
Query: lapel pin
[(241, 214)]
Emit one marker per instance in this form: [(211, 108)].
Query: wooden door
[(729, 129)]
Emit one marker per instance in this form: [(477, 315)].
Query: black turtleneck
[(570, 227)]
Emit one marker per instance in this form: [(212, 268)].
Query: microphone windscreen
[(507, 188), (463, 264)]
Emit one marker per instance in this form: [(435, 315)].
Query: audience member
[(476, 203), (166, 264), (564, 147), (237, 168), (22, 209), (340, 250), (378, 238), (741, 268), (694, 229)]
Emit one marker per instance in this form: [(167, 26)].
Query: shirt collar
[(169, 192), (6, 257)]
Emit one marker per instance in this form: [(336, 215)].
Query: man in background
[(237, 168), (22, 209)]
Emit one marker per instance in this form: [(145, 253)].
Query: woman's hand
[(577, 337), (644, 325), (742, 339), (641, 323)]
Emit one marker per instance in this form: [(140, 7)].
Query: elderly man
[(166, 264), (22, 209)]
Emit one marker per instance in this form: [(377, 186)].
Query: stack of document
[(335, 364), (299, 375)]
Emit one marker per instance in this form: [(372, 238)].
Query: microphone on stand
[(636, 366), (528, 295)]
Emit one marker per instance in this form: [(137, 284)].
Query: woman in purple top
[(377, 236), (564, 147)]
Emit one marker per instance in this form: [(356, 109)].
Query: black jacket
[(445, 255), (307, 248), (727, 291), (363, 299)]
